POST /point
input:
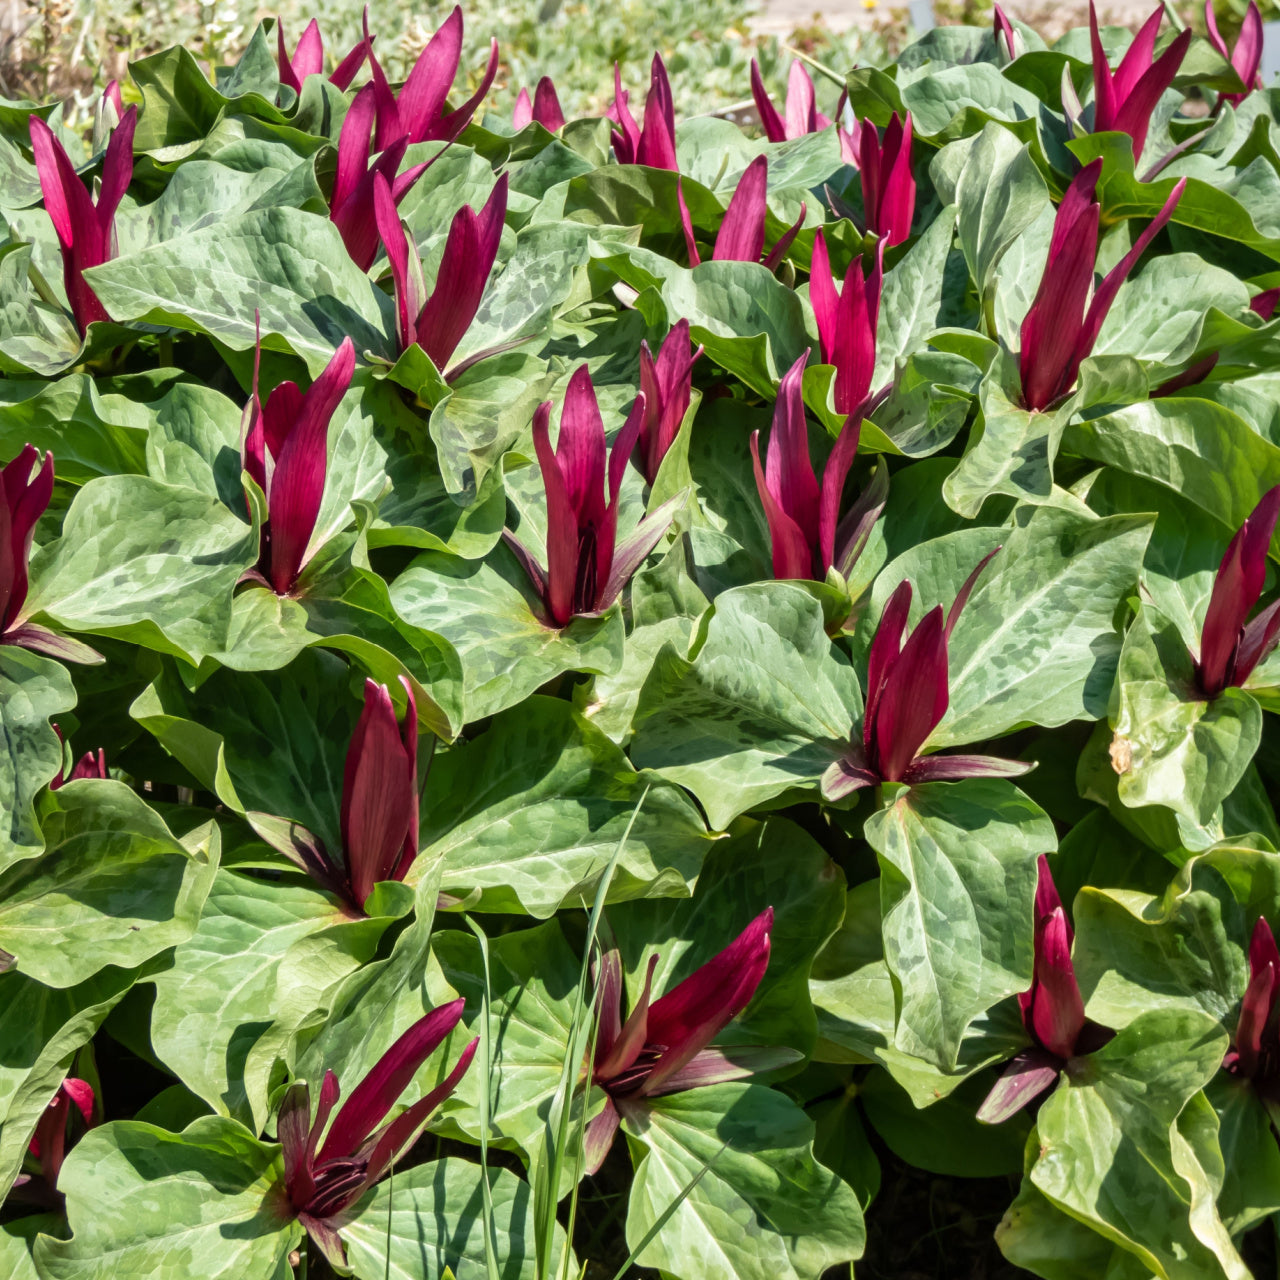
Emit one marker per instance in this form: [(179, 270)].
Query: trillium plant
[(595, 688)]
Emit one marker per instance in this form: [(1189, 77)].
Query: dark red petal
[(562, 523), (689, 1017), (770, 120), (741, 235), (1057, 1009), (886, 645), (546, 106), (378, 1092), (792, 555), (914, 698), (632, 1035)]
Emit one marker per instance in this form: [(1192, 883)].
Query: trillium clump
[(569, 682), (662, 1046), (1064, 320), (808, 534), (379, 818), (1052, 1012), (284, 451), (328, 1166), (587, 566), (907, 697), (85, 227)]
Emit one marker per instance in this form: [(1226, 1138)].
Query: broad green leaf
[(90, 434), (1205, 452), (443, 1193), (528, 814), (958, 879), (947, 1138), (113, 887), (957, 101), (1011, 450), (42, 1028), (533, 980), (488, 611), (143, 1202), (216, 998), (1174, 747), (33, 690), (489, 406), (999, 194), (1035, 1234), (1250, 1154), (911, 302), (1111, 1153), (764, 706), (1183, 949), (765, 1209), (1036, 642), (147, 562), (289, 266), (301, 718)]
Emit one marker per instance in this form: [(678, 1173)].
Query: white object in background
[(921, 12), (1270, 51)]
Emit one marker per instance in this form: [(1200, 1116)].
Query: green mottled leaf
[(113, 886), (445, 1193), (765, 705), (33, 690), (765, 1209), (206, 1202), (958, 878), (488, 611), (147, 562), (530, 812)]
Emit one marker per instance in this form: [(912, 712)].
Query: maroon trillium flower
[(322, 1178), (1052, 1012), (586, 566), (1255, 1052), (662, 1048), (308, 57), (888, 188), (90, 765), (1246, 57), (1058, 332), (802, 116), (86, 229), (654, 144), (437, 323), (1123, 100), (545, 107), (907, 696), (351, 206), (667, 386), (1230, 646), (23, 500), (847, 322), (49, 1143), (417, 113), (284, 450), (741, 234), (379, 816), (805, 528)]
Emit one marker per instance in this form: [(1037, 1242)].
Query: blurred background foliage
[(63, 48)]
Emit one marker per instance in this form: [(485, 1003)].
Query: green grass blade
[(486, 1066)]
